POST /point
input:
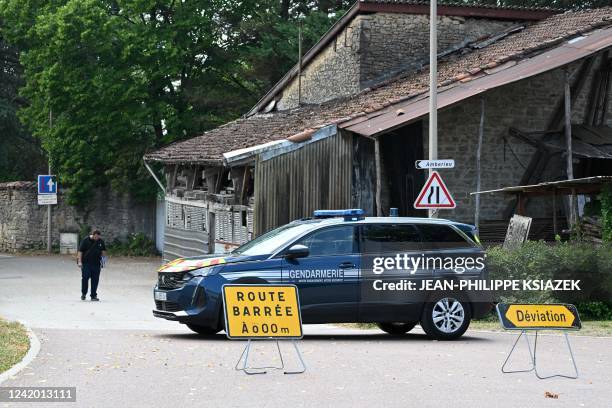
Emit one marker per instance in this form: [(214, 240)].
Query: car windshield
[(271, 241)]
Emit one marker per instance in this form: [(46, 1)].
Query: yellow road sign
[(262, 311), (538, 316)]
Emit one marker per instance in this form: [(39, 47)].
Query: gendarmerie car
[(335, 260)]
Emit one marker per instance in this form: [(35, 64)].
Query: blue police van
[(337, 259)]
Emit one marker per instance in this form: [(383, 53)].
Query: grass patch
[(14, 344), (589, 328)]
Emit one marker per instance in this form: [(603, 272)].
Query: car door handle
[(346, 265)]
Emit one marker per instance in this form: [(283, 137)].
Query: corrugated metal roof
[(586, 185)]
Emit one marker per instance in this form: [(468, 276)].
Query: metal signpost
[(433, 90), (434, 194), (263, 312), (47, 195), (536, 317)]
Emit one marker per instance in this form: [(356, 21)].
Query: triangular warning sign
[(434, 194)]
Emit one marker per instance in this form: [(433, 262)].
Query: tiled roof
[(459, 66), (456, 4)]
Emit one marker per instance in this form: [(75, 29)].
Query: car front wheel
[(446, 317), (203, 330), (396, 329)]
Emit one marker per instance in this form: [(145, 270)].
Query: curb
[(27, 359)]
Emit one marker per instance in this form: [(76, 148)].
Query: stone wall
[(23, 223), (372, 47), (391, 42), (526, 105), (333, 73)]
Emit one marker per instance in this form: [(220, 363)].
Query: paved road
[(117, 355)]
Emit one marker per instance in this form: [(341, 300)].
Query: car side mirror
[(297, 251)]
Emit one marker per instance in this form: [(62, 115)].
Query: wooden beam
[(478, 153), (568, 146), (245, 179), (538, 161), (579, 80), (378, 177), (554, 210)]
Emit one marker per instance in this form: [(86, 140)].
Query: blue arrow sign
[(47, 184)]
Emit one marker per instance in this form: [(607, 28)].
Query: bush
[(591, 264), (136, 245), (606, 213), (595, 310)]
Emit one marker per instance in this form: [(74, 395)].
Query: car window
[(441, 237), (380, 238), (331, 241), (273, 240)]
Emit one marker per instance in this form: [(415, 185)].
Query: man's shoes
[(95, 299), (82, 297)]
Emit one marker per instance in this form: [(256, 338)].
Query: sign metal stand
[(263, 312), (505, 311), (249, 370)]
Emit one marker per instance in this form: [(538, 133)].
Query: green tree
[(20, 154), (122, 77), (117, 78)]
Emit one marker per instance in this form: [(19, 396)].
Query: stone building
[(349, 137)]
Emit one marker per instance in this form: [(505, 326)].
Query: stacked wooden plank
[(591, 229)]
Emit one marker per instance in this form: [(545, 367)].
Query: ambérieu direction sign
[(435, 164)]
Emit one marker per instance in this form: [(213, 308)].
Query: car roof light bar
[(350, 214)]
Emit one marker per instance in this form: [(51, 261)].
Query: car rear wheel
[(203, 330), (446, 317)]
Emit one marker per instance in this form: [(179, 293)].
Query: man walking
[(89, 258)]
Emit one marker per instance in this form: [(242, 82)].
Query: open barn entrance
[(401, 181)]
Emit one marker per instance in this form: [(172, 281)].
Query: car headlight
[(199, 272)]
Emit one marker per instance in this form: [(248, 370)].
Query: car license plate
[(161, 296)]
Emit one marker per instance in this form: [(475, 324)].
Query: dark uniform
[(91, 259)]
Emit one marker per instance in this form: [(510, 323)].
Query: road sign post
[(47, 195), (537, 317), (263, 312)]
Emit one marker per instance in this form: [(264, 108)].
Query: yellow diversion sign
[(538, 317), (262, 311)]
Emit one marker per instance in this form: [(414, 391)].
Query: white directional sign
[(434, 194), (47, 199), (435, 164)]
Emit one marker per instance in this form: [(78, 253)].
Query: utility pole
[(433, 89), (49, 172), (300, 62), (573, 218)]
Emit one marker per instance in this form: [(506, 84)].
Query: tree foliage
[(20, 154), (122, 77)]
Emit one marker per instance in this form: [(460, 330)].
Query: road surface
[(118, 355)]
